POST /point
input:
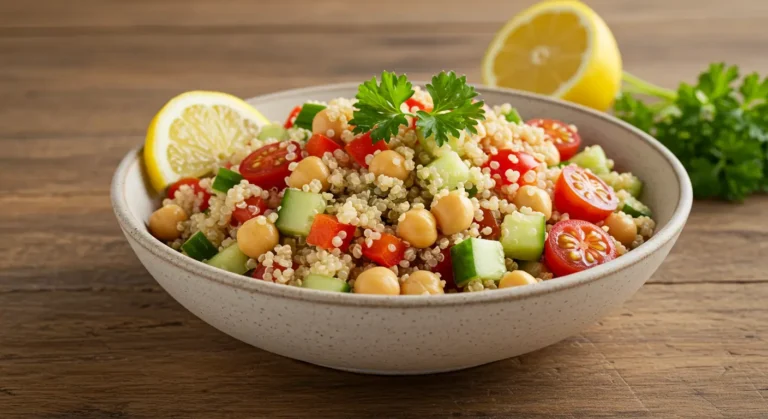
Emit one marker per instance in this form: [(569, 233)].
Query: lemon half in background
[(560, 48), (195, 130)]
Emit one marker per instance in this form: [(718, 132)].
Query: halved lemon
[(195, 130), (560, 48)]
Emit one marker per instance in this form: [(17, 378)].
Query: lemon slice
[(560, 48), (195, 130)]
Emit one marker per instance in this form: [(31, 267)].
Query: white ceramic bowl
[(417, 334)]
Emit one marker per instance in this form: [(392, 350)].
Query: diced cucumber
[(307, 115), (297, 211), (522, 235), (624, 181), (454, 144), (225, 179), (513, 116), (273, 131), (451, 169), (198, 247), (477, 259), (592, 158), (631, 206), (533, 267), (325, 283), (231, 259)]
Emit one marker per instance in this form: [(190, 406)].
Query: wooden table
[(85, 332)]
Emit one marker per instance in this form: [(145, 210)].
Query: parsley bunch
[(719, 132), (378, 107)]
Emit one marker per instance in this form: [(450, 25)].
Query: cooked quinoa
[(397, 199)]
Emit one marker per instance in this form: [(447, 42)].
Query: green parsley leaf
[(378, 106)]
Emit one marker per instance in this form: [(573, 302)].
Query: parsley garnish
[(720, 134), (378, 107)]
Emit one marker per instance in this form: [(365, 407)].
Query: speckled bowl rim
[(137, 231)]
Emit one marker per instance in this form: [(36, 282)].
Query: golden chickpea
[(418, 228), (324, 126), (516, 279), (377, 280), (622, 227), (453, 212), (257, 236), (551, 155), (534, 198), (163, 222), (389, 163), (421, 283), (309, 169)]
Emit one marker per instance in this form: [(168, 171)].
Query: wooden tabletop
[(85, 332)]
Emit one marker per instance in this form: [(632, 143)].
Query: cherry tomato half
[(241, 215), (566, 139), (445, 269), (363, 146), (489, 221), (194, 183), (268, 166), (516, 161), (319, 144), (575, 245), (583, 195), (292, 117)]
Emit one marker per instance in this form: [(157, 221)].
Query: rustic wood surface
[(85, 332)]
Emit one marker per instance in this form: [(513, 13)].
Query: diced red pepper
[(381, 253), (363, 146), (499, 163), (445, 269), (413, 103), (194, 183), (260, 270), (319, 144), (241, 215), (292, 117), (489, 221), (325, 228)]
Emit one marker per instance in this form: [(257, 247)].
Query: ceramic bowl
[(417, 334)]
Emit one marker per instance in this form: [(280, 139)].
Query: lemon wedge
[(195, 130), (560, 48)]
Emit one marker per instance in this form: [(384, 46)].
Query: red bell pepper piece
[(325, 228), (381, 253), (241, 215), (292, 117), (319, 144), (363, 146)]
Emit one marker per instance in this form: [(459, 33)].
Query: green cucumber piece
[(451, 169), (198, 247), (513, 116), (324, 283), (454, 144), (231, 259), (631, 206), (273, 131), (623, 182), (297, 212), (592, 158), (307, 115), (523, 235), (225, 179), (477, 259)]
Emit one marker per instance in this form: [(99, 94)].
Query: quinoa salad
[(407, 190)]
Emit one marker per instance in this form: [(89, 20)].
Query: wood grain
[(86, 333)]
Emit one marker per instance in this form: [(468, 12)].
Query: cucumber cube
[(631, 206), (231, 259), (451, 169), (623, 181), (325, 283), (273, 131), (592, 158), (297, 212), (522, 235), (477, 259)]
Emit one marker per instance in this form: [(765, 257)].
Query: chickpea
[(389, 163), (535, 198), (323, 125), (418, 228), (421, 283), (257, 236), (551, 155), (453, 212), (309, 169), (516, 279), (377, 280), (163, 222), (622, 227)]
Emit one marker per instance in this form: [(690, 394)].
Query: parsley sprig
[(718, 131), (378, 107)]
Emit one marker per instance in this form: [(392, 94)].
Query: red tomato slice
[(445, 269), (194, 183), (502, 161), (319, 144), (381, 253), (268, 166), (292, 117), (241, 215), (583, 195), (575, 245), (489, 221), (566, 139), (363, 146), (325, 228)]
